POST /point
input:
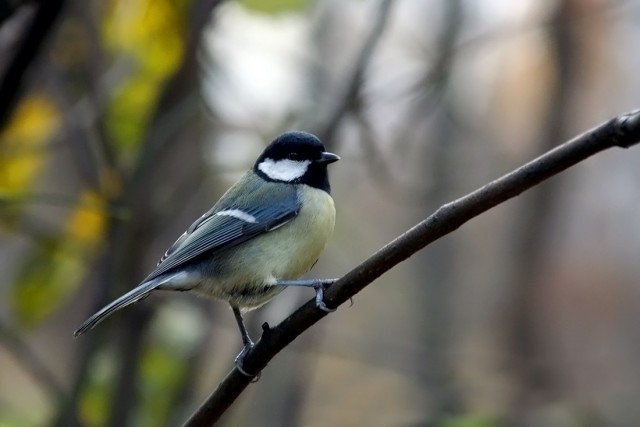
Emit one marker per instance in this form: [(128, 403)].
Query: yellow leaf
[(111, 183), (22, 142), (86, 223)]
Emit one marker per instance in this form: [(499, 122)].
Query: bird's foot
[(239, 361), (319, 288), (319, 285)]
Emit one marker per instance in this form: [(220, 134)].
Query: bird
[(260, 237)]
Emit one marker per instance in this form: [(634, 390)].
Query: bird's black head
[(296, 158)]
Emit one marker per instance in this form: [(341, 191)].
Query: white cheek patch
[(237, 213), (284, 170)]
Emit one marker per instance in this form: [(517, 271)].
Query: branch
[(622, 131)]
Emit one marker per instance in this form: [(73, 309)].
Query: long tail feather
[(129, 298)]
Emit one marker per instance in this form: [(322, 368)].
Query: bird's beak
[(327, 158)]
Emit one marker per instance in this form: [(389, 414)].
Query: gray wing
[(214, 232)]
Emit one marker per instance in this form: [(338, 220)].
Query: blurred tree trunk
[(172, 140), (436, 276), (536, 379), (533, 376), (35, 33), (150, 187)]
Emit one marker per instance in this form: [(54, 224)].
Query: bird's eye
[(294, 156)]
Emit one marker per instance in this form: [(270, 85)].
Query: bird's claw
[(240, 359), (319, 288), (248, 345)]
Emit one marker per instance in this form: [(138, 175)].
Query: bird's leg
[(246, 341), (318, 285)]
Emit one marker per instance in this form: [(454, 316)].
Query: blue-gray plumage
[(266, 231)]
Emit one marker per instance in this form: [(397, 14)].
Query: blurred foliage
[(162, 373), (14, 419), (147, 35), (86, 223), (274, 6), (23, 149), (470, 421), (22, 142), (94, 401), (54, 269)]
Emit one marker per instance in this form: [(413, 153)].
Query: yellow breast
[(308, 234)]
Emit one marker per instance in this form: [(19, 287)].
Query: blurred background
[(121, 121)]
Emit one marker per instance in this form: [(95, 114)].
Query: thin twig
[(60, 200), (354, 84), (622, 131)]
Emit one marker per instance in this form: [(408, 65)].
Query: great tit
[(265, 232)]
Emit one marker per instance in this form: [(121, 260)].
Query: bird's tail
[(130, 297)]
